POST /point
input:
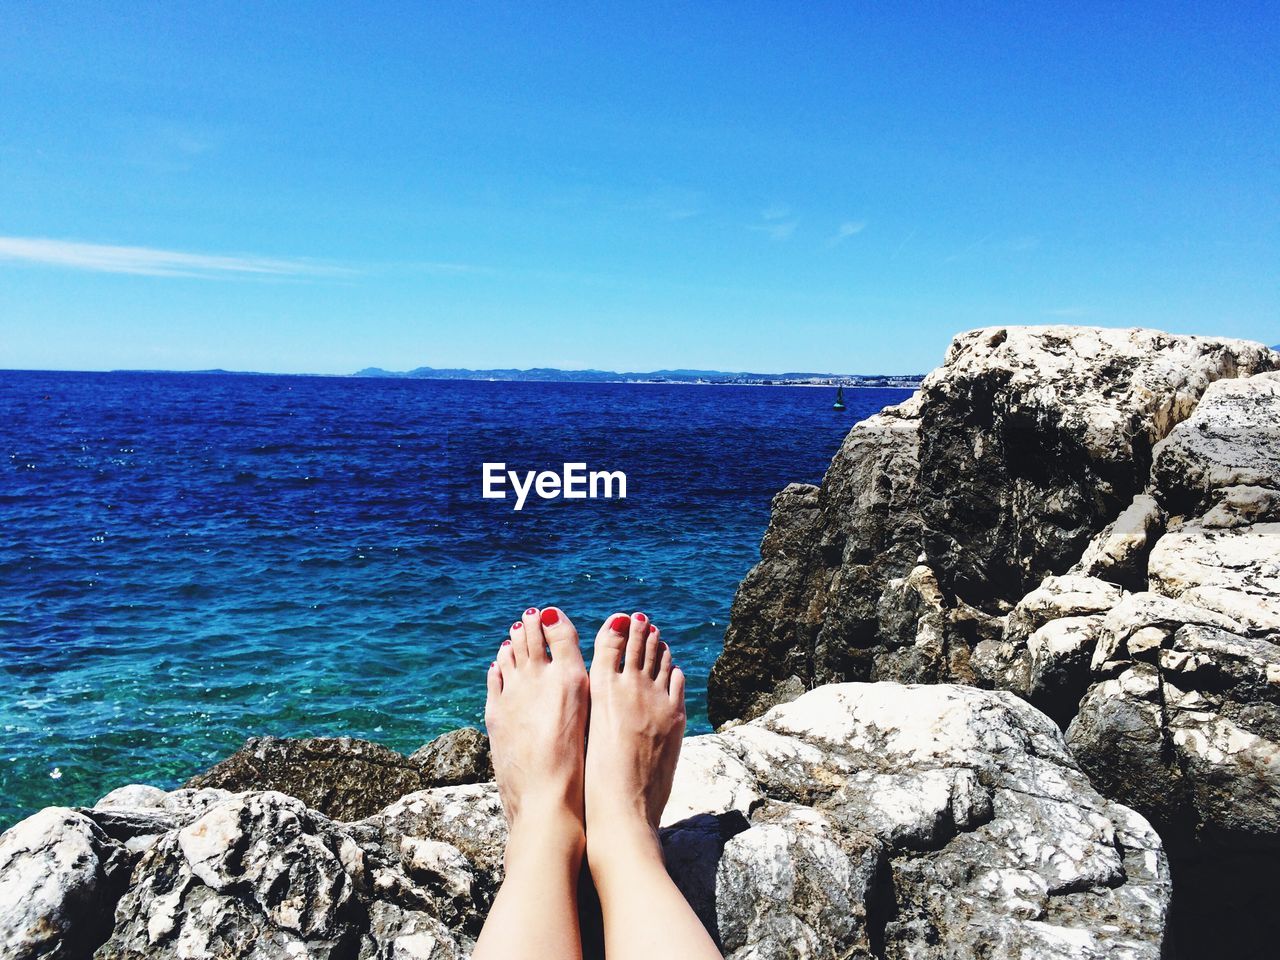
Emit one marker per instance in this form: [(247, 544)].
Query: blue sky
[(728, 185)]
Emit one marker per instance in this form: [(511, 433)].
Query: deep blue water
[(189, 560)]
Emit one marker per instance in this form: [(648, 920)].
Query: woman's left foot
[(637, 722), (536, 714)]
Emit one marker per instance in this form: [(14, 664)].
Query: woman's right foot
[(633, 742), (536, 715)]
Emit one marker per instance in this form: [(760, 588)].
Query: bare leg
[(537, 714), (637, 722)]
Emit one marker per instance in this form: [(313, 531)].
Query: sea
[(189, 560)]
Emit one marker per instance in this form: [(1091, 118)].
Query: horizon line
[(384, 374)]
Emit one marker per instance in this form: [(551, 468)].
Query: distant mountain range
[(552, 375)]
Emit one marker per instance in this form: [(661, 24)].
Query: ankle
[(622, 847), (548, 819), (557, 837), (550, 803)]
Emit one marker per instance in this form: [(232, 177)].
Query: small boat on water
[(839, 404)]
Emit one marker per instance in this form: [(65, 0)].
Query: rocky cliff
[(862, 820), (1089, 519)]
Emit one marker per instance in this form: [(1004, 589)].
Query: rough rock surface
[(862, 820), (459, 756), (345, 778), (937, 516), (1091, 520), (1048, 641), (1119, 553), (917, 821), (1183, 720), (1230, 441), (57, 870)]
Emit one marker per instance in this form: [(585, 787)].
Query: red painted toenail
[(549, 617), (641, 617), (517, 625), (620, 625), (506, 643), (531, 611)]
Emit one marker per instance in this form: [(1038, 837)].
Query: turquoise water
[(189, 560)]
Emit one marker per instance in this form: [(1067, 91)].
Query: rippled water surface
[(188, 560)]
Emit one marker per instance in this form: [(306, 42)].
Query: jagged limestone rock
[(859, 820), (1234, 571), (1232, 440), (1184, 721), (1048, 641), (1119, 553), (459, 756), (342, 777), (345, 778), (60, 874), (1026, 453), (1146, 468), (964, 803)]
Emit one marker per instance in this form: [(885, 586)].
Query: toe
[(611, 641), (506, 658), (677, 686), (535, 645), (640, 628), (652, 652), (664, 667), (515, 640), (494, 680), (562, 636)]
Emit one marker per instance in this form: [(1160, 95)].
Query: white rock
[(57, 868), (1058, 597), (1119, 552), (133, 796), (1139, 611), (1055, 366), (1232, 439), (711, 778), (1235, 572), (790, 830)]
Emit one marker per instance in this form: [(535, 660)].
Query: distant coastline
[(713, 378), (910, 381), (693, 377)]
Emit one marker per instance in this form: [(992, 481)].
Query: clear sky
[(740, 186)]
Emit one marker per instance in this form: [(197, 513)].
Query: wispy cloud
[(846, 230), (151, 262), (777, 231), (971, 248), (439, 268), (672, 203), (984, 247), (778, 224), (903, 245)]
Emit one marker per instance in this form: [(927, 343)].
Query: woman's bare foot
[(537, 717), (536, 714), (637, 722)]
